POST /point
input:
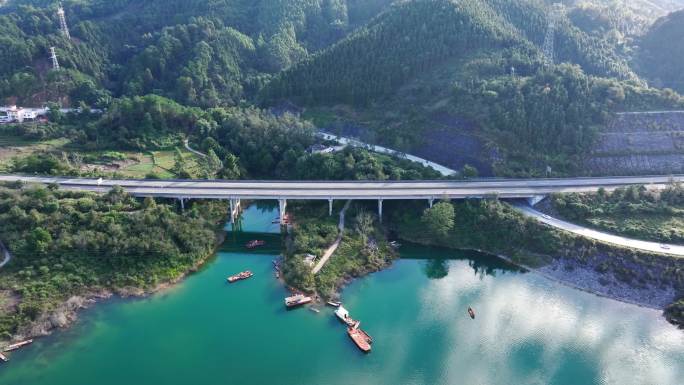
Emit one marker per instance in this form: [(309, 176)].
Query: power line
[(53, 57), (554, 16), (62, 22)]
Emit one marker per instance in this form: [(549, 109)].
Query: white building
[(10, 114)]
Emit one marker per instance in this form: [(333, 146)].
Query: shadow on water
[(436, 261)]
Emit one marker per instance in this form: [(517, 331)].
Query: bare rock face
[(63, 316)]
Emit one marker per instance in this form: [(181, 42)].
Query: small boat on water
[(3, 358), (360, 338), (344, 316), (253, 244), (315, 310), (16, 346), (334, 304), (471, 313), (240, 276), (297, 300)]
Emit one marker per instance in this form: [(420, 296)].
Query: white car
[(665, 247)]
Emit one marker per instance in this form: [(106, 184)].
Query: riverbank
[(649, 280), (66, 313), (362, 249), (81, 248)]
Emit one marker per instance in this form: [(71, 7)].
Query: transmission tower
[(554, 16), (53, 57), (62, 22)]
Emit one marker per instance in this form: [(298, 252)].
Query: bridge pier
[(282, 205), (431, 202), (234, 209), (535, 199), (380, 210), (330, 206), (182, 203)]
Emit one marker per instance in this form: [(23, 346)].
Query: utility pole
[(62, 22), (53, 57), (554, 16)]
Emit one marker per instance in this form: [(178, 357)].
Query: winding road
[(652, 247), (6, 256)]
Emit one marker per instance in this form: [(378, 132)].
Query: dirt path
[(331, 250)]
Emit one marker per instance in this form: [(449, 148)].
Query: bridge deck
[(219, 189)]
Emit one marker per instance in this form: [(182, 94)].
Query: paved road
[(445, 171), (600, 236), (6, 256), (331, 250), (186, 143), (218, 189)]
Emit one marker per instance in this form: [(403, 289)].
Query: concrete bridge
[(234, 191)]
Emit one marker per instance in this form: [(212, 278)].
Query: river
[(528, 330)]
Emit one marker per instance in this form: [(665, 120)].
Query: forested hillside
[(661, 57), (199, 52), (407, 72), (416, 36), (435, 62)]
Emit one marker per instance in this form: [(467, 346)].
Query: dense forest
[(396, 64), (67, 243), (200, 52)]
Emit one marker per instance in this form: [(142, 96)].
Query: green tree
[(39, 240), (439, 219)]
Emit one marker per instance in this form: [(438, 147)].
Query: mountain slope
[(415, 36), (661, 57), (215, 43)]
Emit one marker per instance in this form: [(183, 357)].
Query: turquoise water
[(528, 330)]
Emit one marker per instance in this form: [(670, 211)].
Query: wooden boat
[(240, 276), (360, 338), (253, 244), (297, 300), (16, 346), (344, 316), (471, 313)]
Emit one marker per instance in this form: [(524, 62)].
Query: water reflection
[(533, 331), (436, 260)]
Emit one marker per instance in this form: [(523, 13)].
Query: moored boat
[(3, 358), (344, 316), (360, 338), (253, 244), (471, 313), (240, 276), (16, 346), (334, 304), (297, 300)]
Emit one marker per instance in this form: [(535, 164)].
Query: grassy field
[(12, 147), (634, 212), (125, 163), (649, 226)]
